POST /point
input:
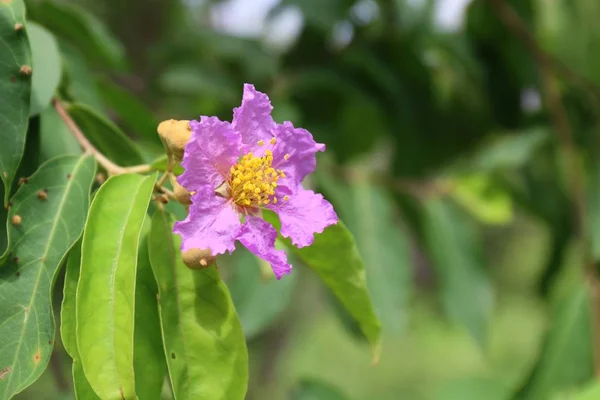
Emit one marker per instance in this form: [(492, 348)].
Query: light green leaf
[(592, 392), (455, 252), (334, 257), (312, 389), (204, 343), (105, 135), (15, 86), (81, 28), (47, 230), (253, 292), (567, 355), (81, 387), (475, 388), (47, 67), (106, 289), (369, 214), (148, 354), (55, 138)]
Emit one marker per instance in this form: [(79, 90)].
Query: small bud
[(42, 195), (22, 181), (100, 178), (181, 194), (25, 70), (175, 135), (16, 219), (18, 27), (198, 259)]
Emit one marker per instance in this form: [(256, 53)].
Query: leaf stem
[(109, 166)]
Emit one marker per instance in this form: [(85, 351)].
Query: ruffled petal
[(300, 148), (253, 118), (304, 214), (211, 151), (211, 224), (259, 237)]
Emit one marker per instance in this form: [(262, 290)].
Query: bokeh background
[(462, 151)]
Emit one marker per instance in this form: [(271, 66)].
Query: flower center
[(253, 180)]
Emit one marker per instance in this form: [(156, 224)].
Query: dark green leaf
[(466, 291), (81, 387), (15, 86), (47, 67), (148, 354), (105, 135), (253, 291), (80, 82), (82, 29), (204, 343), (312, 389), (106, 289), (49, 225)]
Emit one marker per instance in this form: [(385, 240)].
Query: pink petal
[(303, 215), (211, 151), (299, 144), (211, 224), (259, 237), (253, 118)]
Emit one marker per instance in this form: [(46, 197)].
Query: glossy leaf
[(312, 389), (55, 138), (148, 354), (106, 290), (15, 86), (49, 226), (566, 359), (253, 291), (82, 29), (204, 343), (47, 67), (334, 257), (81, 387), (105, 135), (466, 292)]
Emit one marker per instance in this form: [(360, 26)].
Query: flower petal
[(211, 151), (300, 148), (303, 215), (253, 118), (259, 237), (211, 224)]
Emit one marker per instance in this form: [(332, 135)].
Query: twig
[(109, 166), (560, 120)]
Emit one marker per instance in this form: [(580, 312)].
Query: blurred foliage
[(444, 159)]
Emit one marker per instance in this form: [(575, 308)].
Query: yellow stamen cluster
[(253, 180)]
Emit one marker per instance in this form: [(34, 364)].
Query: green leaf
[(456, 256), (473, 389), (82, 29), (132, 112), (105, 135), (106, 290), (48, 229), (47, 67), (204, 343), (81, 387), (148, 354), (592, 392), (55, 138), (253, 292), (160, 164), (80, 82), (312, 389), (15, 87), (594, 210), (369, 213), (334, 257), (567, 355)]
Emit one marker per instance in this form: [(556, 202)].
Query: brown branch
[(109, 166), (552, 97)]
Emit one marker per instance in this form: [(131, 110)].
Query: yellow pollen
[(286, 157), (261, 142), (273, 141), (253, 180)]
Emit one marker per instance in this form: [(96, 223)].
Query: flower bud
[(198, 258), (181, 194), (175, 135)]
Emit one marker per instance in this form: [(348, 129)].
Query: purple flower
[(235, 170)]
